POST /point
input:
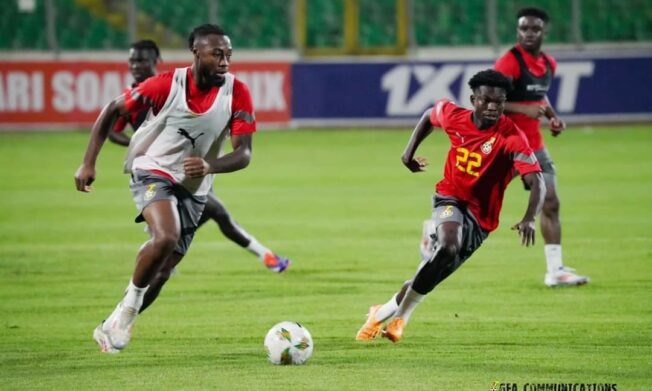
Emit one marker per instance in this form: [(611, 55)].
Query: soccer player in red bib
[(172, 159), (486, 149), (531, 71), (143, 57)]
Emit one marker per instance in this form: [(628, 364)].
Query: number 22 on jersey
[(467, 161)]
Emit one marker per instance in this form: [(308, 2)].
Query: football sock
[(553, 257), (134, 296), (388, 309), (409, 303), (113, 316), (258, 249)]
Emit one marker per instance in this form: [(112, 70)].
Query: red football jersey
[(154, 91), (508, 66), (480, 163)]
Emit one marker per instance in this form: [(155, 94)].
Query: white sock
[(387, 310), (553, 257), (134, 296), (114, 315), (258, 249), (408, 304)]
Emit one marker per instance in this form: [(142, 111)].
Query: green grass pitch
[(341, 205)]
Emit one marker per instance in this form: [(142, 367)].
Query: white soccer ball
[(288, 343)]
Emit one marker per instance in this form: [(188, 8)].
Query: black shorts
[(147, 188), (450, 209)]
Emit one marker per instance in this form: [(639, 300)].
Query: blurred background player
[(485, 149), (143, 57), (172, 160), (531, 72)]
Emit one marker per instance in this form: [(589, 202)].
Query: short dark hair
[(202, 31), (533, 11), (147, 44), (490, 78)]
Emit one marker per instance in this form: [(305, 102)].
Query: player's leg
[(171, 214), (458, 236), (161, 277), (556, 273), (162, 218), (444, 262), (216, 211), (190, 210), (379, 313)]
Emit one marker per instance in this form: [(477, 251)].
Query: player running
[(486, 148), (143, 57), (531, 71), (172, 160)]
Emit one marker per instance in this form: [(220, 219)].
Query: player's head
[(531, 27), (490, 89), (212, 50), (143, 57)]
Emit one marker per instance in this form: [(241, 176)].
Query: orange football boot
[(394, 329), (372, 327)]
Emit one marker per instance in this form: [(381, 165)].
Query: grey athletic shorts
[(548, 169), (450, 209), (147, 188)]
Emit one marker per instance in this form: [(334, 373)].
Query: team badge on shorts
[(151, 192), (486, 147), (446, 213)]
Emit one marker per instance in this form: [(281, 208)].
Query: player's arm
[(532, 111), (235, 160), (508, 66), (526, 227), (243, 125), (420, 132), (85, 174), (117, 134), (556, 124)]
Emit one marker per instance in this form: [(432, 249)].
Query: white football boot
[(102, 338), (565, 276), (114, 334)]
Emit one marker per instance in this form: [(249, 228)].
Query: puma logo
[(187, 135)]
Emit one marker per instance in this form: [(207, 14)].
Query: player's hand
[(534, 111), (556, 126), (84, 177), (526, 230), (195, 167), (417, 164)]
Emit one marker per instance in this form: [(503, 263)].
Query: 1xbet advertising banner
[(586, 89), (72, 93)]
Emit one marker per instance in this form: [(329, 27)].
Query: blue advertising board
[(582, 89)]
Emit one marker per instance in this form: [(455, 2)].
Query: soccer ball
[(288, 343)]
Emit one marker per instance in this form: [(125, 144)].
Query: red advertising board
[(59, 93)]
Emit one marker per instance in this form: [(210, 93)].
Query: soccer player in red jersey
[(172, 159), (486, 149), (143, 57), (531, 71)]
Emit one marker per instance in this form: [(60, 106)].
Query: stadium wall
[(66, 93)]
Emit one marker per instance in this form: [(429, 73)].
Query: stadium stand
[(256, 24), (325, 24), (378, 26), (100, 24), (76, 28)]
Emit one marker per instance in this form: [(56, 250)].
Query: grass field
[(340, 204)]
